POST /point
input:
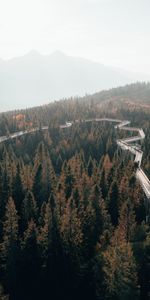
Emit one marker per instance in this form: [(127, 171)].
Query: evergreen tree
[(45, 234), (90, 167), (30, 264), (127, 222), (17, 191), (103, 184), (43, 175), (9, 248), (71, 230), (113, 203), (5, 193), (29, 209), (120, 275), (37, 187)]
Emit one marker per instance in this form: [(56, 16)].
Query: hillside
[(36, 79), (72, 213)]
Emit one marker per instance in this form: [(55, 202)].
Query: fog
[(112, 32), (105, 41)]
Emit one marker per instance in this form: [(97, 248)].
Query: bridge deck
[(125, 144)]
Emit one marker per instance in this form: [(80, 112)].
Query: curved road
[(125, 144)]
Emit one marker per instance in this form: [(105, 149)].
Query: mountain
[(35, 79)]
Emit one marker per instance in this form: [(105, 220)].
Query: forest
[(72, 214)]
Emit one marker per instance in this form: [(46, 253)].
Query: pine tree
[(5, 193), (120, 274), (103, 184), (9, 247), (30, 265), (71, 230), (90, 167), (45, 235), (43, 175), (37, 186), (113, 203), (59, 163), (69, 181), (29, 209), (102, 219), (17, 191), (42, 214), (127, 222)]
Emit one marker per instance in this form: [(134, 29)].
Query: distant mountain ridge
[(35, 79)]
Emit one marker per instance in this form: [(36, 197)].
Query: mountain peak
[(58, 53), (33, 52), (34, 78)]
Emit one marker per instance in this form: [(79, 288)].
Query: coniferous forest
[(72, 214)]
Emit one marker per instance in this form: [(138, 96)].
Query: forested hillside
[(35, 78), (72, 215)]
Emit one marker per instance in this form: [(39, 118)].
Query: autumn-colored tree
[(120, 274), (81, 212), (127, 222), (9, 247), (43, 175), (29, 209)]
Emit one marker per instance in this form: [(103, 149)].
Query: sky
[(112, 32)]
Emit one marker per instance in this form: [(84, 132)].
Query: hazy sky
[(113, 32)]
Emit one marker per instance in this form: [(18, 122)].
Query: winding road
[(125, 144)]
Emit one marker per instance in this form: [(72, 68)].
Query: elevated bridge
[(125, 144)]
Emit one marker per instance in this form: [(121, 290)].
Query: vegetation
[(72, 215)]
